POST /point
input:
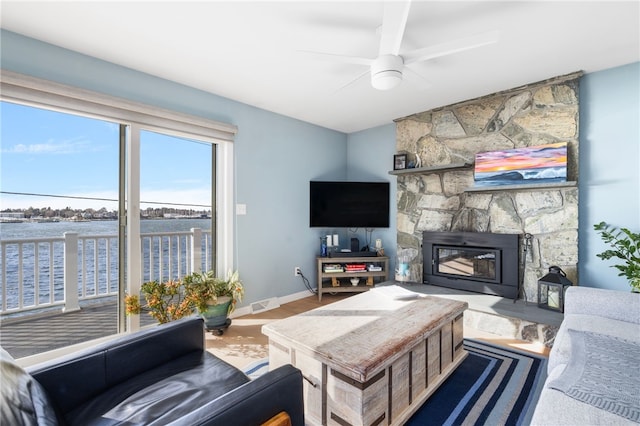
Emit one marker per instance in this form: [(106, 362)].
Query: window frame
[(45, 94)]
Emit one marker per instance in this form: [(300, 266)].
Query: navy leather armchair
[(162, 375)]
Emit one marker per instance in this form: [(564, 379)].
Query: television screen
[(349, 204)]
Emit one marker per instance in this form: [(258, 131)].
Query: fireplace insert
[(481, 262)]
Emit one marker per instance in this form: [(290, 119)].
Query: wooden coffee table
[(373, 358)]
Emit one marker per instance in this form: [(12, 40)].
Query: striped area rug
[(494, 385), (256, 368)]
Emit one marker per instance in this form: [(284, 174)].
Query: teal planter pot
[(216, 315)]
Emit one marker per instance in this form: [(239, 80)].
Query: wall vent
[(264, 305)]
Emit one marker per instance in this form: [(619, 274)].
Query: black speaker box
[(355, 244)]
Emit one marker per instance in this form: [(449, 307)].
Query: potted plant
[(214, 298), (625, 246), (164, 301)]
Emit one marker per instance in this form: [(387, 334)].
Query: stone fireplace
[(440, 195)]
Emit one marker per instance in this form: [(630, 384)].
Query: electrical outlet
[(297, 271)]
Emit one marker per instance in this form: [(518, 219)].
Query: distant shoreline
[(61, 219)]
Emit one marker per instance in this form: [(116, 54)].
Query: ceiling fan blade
[(338, 58), (344, 86), (394, 22), (451, 47), (418, 80)]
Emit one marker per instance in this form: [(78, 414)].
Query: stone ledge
[(498, 315), (511, 328), (432, 169)]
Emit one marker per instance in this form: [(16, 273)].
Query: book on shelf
[(355, 267), (333, 268), (374, 268)]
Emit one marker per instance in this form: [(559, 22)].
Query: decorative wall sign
[(528, 165)]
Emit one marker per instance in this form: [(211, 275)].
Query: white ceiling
[(251, 51)]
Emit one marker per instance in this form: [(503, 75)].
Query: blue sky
[(46, 152)]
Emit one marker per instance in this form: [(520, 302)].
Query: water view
[(30, 230), (32, 256)]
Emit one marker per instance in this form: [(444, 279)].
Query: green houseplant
[(625, 245), (214, 298), (199, 291)]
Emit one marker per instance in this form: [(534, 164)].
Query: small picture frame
[(399, 161)]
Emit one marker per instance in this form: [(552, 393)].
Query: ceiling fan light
[(386, 80), (386, 72)]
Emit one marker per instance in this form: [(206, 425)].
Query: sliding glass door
[(175, 205), (90, 209)]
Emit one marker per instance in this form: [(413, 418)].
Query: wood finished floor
[(243, 342)]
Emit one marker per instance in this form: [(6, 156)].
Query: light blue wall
[(275, 158), (609, 185), (369, 158)]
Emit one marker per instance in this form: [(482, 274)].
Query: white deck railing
[(44, 272)]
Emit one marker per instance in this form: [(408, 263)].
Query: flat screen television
[(348, 204)]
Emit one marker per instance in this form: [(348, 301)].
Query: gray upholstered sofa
[(594, 365)]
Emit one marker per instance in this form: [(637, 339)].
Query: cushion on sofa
[(613, 304), (155, 397), (557, 409), (562, 350), (603, 372), (23, 402)]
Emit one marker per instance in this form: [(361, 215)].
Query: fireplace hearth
[(480, 262)]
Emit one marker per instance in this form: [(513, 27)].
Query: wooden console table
[(373, 358), (339, 282)]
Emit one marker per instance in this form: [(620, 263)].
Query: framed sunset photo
[(527, 165)]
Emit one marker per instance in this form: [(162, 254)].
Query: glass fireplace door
[(466, 262)]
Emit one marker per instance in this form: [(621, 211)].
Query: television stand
[(338, 280), (353, 254)]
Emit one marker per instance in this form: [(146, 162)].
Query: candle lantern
[(551, 289)]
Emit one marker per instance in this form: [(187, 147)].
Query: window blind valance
[(19, 88)]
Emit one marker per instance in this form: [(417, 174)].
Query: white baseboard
[(296, 296)]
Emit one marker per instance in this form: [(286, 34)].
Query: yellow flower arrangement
[(175, 299)]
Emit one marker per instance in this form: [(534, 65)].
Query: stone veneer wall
[(536, 114)]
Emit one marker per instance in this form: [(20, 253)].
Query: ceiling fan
[(388, 68)]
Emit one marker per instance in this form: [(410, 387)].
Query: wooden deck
[(240, 345), (32, 334)]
